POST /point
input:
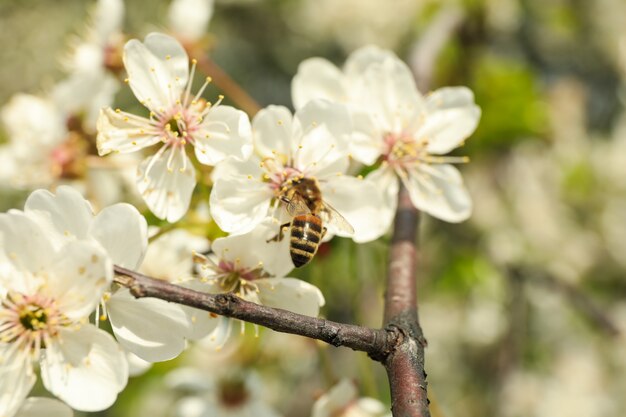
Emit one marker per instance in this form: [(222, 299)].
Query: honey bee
[(309, 213)]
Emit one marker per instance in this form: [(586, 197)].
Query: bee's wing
[(296, 206), (331, 216)]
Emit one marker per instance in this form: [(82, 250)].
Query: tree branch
[(405, 365), (376, 342)]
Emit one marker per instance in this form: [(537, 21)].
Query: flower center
[(402, 150), (173, 127), (233, 393), (33, 317), (29, 320)]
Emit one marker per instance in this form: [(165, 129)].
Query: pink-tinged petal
[(123, 232), (41, 406), (388, 92), (386, 181), (239, 204), (24, 242), (290, 294), (166, 182), (152, 329), (16, 379), (158, 70), (439, 191), (359, 60), (251, 250), (317, 78), (78, 278), (360, 202), (225, 131), (69, 213), (452, 117), (82, 363), (272, 130), (123, 132)]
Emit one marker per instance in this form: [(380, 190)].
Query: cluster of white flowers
[(57, 255)]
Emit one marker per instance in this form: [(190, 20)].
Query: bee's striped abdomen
[(306, 233)]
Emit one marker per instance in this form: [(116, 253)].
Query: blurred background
[(523, 305)]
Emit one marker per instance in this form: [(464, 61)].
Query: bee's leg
[(280, 235), (323, 233)]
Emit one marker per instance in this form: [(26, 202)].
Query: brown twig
[(376, 342), (228, 86), (405, 365)]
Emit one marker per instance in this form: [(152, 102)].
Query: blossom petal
[(41, 406), (385, 179), (170, 256), (239, 204), (158, 70), (202, 323), (389, 93), (290, 294), (87, 361), (253, 249), (166, 182), (336, 400), (359, 60), (326, 128), (68, 211), (16, 380), (317, 78), (366, 142), (122, 132), (360, 202), (79, 277), (439, 191), (24, 242), (272, 129), (225, 131), (150, 328), (123, 232), (189, 19), (452, 117)]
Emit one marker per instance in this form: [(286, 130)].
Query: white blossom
[(158, 74), (255, 270), (227, 394), (90, 84), (342, 401), (153, 329), (395, 124), (47, 292), (308, 145), (35, 128)]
